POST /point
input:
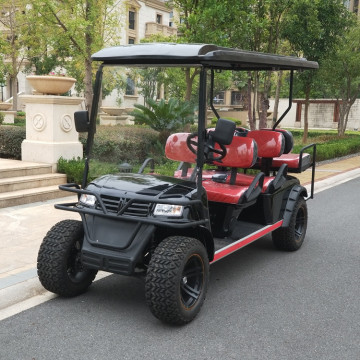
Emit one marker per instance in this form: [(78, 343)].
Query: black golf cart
[(170, 229)]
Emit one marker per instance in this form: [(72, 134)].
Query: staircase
[(24, 182)]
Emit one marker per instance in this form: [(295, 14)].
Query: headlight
[(168, 210), (88, 200)]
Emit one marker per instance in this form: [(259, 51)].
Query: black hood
[(152, 185)]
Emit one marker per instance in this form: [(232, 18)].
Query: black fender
[(294, 195), (207, 239), (202, 233)]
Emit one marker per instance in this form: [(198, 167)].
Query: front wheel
[(292, 237), (177, 279), (59, 260)]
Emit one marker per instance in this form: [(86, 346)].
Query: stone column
[(50, 129)]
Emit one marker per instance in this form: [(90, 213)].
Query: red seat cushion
[(241, 179), (223, 193), (292, 160)]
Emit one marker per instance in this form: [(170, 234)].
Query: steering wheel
[(191, 143)]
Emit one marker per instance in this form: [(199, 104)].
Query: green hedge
[(328, 144), (11, 138), (124, 143)]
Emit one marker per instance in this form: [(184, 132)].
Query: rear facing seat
[(296, 163)]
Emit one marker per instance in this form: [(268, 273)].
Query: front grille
[(111, 203), (115, 204), (138, 209)]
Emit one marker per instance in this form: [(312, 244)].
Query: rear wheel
[(177, 279), (292, 237), (59, 260)]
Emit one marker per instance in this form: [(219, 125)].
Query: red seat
[(270, 143), (293, 162), (224, 193), (241, 179), (241, 153)]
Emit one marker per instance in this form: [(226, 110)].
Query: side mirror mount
[(224, 132), (82, 123)]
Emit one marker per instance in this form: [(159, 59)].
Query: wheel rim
[(192, 280), (299, 224), (75, 269)]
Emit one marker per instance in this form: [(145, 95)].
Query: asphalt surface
[(261, 304)]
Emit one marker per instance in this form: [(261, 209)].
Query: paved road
[(261, 304)]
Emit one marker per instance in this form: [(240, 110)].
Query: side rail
[(313, 164)]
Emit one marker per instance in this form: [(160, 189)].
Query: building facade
[(139, 20)]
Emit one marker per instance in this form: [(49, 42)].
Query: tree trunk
[(264, 106), (249, 103), (277, 97), (255, 99), (13, 79), (264, 101), (88, 84), (342, 114), (189, 82)]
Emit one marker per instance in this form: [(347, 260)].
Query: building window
[(171, 19), (130, 86), (236, 98), (219, 98), (131, 40), (159, 19), (132, 20)]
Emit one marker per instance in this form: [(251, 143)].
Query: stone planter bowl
[(5, 106), (114, 111), (51, 85)]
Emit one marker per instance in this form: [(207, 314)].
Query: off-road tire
[(59, 265), (292, 237), (177, 279)]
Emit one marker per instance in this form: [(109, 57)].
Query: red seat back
[(270, 143), (241, 153)]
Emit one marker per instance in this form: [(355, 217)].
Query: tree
[(13, 41), (83, 27), (313, 28), (250, 25), (341, 72)]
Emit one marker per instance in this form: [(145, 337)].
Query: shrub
[(2, 117), (73, 169), (11, 138), (236, 121), (329, 144), (117, 144), (165, 117)]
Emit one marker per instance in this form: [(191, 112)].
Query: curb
[(27, 294)]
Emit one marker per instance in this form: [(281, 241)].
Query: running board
[(240, 243)]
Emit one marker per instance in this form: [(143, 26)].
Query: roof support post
[(290, 100), (212, 94), (92, 127), (201, 129)]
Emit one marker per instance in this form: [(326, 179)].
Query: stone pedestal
[(50, 128), (9, 116), (116, 120)]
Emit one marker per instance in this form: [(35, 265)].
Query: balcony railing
[(153, 28)]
